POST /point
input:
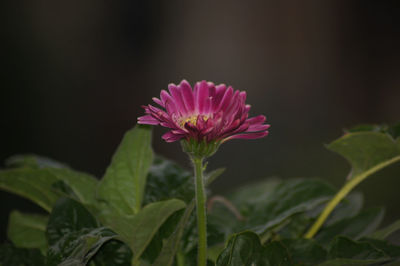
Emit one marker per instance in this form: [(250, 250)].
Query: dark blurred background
[(75, 74)]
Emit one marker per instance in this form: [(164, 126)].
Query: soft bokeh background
[(75, 74)]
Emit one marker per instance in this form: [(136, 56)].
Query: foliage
[(141, 212)]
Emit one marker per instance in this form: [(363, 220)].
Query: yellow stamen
[(192, 120)]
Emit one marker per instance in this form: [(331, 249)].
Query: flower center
[(192, 120)]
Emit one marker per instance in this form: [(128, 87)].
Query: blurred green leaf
[(32, 161), (171, 245), (394, 130), (344, 251), (347, 208), (138, 230), (124, 181), (305, 251), (288, 198), (78, 247), (83, 185), (251, 195), (356, 227), (166, 180), (387, 231), (27, 230), (245, 249), (13, 256), (33, 184), (68, 216), (391, 250), (112, 253), (213, 175), (366, 150)]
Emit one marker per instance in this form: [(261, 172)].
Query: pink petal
[(219, 93), (171, 137), (148, 120), (167, 99), (158, 101), (256, 120), (255, 135), (177, 95), (257, 127), (187, 95), (226, 99), (201, 97)]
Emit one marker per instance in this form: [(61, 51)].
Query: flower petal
[(187, 95), (177, 95), (255, 135), (148, 120), (171, 137)]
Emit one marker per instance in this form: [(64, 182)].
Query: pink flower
[(207, 113)]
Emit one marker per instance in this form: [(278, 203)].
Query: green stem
[(343, 193), (201, 211)]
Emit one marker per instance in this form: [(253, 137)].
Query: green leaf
[(248, 196), (387, 231), (394, 130), (78, 247), (12, 256), (344, 251), (68, 216), (32, 161), (171, 245), (367, 151), (355, 227), (213, 175), (347, 208), (245, 249), (33, 184), (113, 253), (137, 231), (389, 249), (124, 181), (83, 185), (288, 198), (27, 230), (305, 251), (167, 180)]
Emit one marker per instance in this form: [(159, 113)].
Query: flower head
[(209, 113)]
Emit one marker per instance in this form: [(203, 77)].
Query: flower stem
[(348, 186), (201, 211)]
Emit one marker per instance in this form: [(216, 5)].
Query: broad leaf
[(83, 185), (27, 230), (32, 161), (33, 184), (78, 247), (68, 216), (137, 231), (245, 249), (367, 151), (12, 256), (113, 253), (124, 181), (387, 231), (344, 251), (167, 180), (288, 198), (305, 251), (356, 227), (389, 249), (348, 208), (171, 245)]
